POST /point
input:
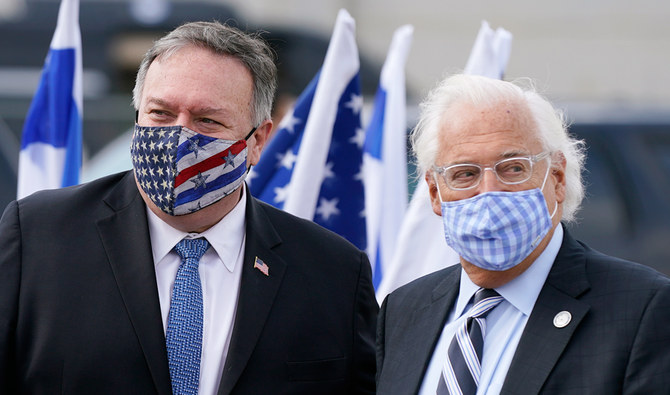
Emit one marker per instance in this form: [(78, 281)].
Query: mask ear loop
[(546, 175), (247, 138), (250, 133)]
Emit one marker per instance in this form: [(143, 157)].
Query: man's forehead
[(487, 134), (501, 111)]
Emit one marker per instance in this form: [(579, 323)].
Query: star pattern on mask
[(199, 181), (194, 146), (152, 153), (229, 159)]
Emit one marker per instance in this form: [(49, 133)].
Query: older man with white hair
[(529, 310)]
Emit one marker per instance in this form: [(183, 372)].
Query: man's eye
[(159, 113), (211, 123), (464, 173)]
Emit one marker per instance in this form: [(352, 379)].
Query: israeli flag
[(312, 166), (490, 53), (385, 157), (51, 144), (421, 247)]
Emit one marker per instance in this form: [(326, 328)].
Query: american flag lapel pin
[(260, 265)]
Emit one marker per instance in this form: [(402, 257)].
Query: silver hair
[(552, 128), (221, 39)]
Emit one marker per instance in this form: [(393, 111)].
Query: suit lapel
[(257, 292), (125, 236), (415, 338), (543, 342)]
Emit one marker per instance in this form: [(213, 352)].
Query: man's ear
[(558, 175), (258, 140), (434, 193)]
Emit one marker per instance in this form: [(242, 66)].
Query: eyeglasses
[(510, 171)]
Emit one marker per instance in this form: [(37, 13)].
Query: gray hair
[(481, 91), (221, 39)]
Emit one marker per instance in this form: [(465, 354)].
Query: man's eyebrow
[(504, 155), (198, 111), (209, 110), (158, 102), (512, 154)]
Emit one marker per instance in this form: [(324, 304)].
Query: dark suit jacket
[(618, 340), (79, 309)]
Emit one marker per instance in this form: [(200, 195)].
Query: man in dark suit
[(99, 292), (529, 310)]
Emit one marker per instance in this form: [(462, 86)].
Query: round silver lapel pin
[(562, 319)]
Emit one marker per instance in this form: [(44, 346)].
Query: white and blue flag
[(385, 157), (421, 247), (312, 165), (52, 133), (490, 53)]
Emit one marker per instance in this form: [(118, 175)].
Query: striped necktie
[(184, 329), (461, 371)]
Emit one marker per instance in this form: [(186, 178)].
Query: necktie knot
[(192, 248), (485, 300), (484, 293)]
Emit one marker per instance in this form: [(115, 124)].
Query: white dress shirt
[(504, 324), (220, 273)]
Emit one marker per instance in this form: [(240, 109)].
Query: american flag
[(260, 265), (341, 202), (330, 109), (182, 172)]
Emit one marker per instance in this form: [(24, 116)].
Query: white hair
[(486, 92)]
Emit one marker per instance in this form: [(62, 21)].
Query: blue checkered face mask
[(497, 230), (182, 171)]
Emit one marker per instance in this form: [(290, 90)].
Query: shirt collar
[(522, 291), (226, 237)]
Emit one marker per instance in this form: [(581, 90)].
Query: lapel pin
[(260, 265), (562, 319)]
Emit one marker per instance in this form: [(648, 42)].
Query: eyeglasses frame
[(441, 170)]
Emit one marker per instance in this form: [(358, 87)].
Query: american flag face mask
[(182, 171)]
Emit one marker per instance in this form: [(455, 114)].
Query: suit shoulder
[(621, 282), (601, 266), (100, 184), (70, 198), (424, 286)]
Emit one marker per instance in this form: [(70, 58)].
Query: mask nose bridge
[(185, 121)]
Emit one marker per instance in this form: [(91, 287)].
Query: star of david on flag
[(312, 165)]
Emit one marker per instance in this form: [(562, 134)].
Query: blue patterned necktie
[(461, 371), (184, 330)]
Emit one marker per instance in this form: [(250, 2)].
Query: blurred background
[(605, 63)]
